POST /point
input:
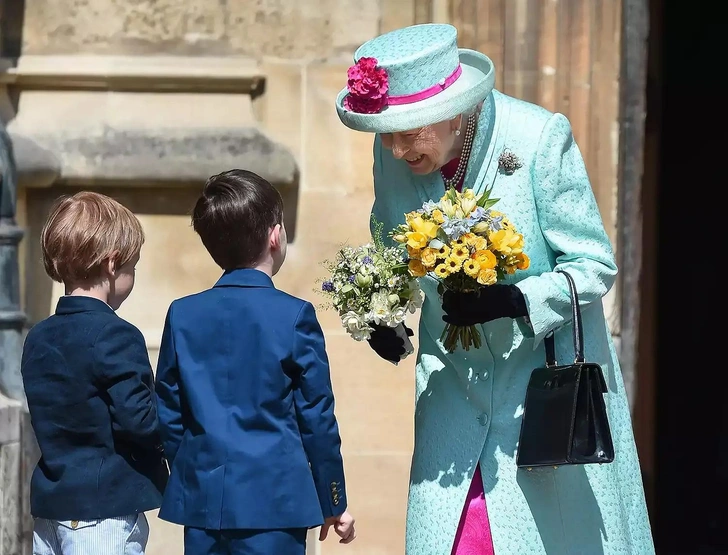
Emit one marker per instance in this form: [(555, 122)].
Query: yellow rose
[(437, 217), (416, 240), (442, 271), (460, 252), (485, 259), (523, 261), (416, 268), (479, 243), (487, 276), (428, 257), (471, 268), (453, 264), (429, 229), (413, 252)]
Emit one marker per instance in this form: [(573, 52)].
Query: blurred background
[(145, 99)]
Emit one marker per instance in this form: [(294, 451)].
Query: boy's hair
[(234, 216), (85, 230)]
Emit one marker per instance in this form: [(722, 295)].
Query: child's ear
[(275, 237), (111, 265)]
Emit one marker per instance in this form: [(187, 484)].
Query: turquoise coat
[(469, 404)]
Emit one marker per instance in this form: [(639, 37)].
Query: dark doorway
[(690, 504)]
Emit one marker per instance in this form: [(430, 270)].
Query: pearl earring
[(457, 132)]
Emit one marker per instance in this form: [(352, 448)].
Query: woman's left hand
[(490, 303)]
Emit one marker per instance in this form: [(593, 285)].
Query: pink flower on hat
[(367, 86)]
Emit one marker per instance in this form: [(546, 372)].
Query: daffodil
[(416, 240), (506, 241), (428, 229)]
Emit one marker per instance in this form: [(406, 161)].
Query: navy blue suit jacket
[(247, 410), (89, 387)]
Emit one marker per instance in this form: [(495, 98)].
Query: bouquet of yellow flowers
[(466, 245)]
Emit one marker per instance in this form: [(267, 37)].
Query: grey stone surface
[(298, 29), (10, 418), (36, 166), (166, 155), (10, 506)]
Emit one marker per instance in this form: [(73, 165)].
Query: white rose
[(355, 326)]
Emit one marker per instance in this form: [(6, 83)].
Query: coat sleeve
[(314, 400), (168, 393), (572, 226), (124, 373)]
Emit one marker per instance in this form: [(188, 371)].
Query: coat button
[(483, 419), (74, 524)]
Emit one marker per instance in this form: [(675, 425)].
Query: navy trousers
[(200, 541)]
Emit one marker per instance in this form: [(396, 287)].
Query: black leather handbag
[(565, 416)]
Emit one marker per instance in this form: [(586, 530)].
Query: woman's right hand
[(385, 342)]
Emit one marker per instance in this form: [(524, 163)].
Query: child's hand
[(343, 526)]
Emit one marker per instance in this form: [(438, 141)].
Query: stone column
[(12, 320)]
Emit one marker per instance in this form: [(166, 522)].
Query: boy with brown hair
[(244, 392), (89, 387)]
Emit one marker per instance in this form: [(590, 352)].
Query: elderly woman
[(439, 123)]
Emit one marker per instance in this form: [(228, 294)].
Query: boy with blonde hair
[(89, 387)]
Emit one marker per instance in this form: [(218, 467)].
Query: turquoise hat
[(413, 77)]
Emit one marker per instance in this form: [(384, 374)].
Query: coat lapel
[(489, 143)]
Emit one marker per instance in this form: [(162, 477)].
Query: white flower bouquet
[(371, 284)]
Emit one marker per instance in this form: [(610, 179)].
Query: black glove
[(386, 344), (490, 303)]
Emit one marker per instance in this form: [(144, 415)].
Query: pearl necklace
[(464, 156)]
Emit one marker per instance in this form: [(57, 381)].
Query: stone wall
[(100, 81), (143, 99)]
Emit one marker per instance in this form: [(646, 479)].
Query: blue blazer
[(90, 394), (247, 410)]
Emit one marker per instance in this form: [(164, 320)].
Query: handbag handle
[(576, 320)]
